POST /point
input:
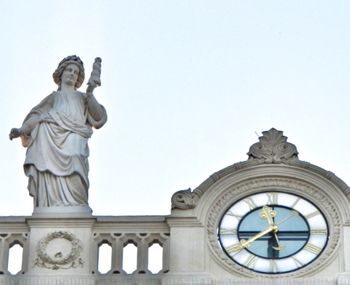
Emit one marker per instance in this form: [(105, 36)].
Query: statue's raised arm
[(56, 134)]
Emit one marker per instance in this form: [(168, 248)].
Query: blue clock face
[(273, 232)]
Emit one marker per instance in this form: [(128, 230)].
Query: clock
[(273, 232)]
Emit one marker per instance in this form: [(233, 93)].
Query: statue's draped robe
[(57, 155)]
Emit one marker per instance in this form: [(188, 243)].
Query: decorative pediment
[(273, 147)]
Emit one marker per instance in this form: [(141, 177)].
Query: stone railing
[(13, 231), (115, 232), (142, 232)]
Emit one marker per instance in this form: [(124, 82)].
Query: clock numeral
[(312, 248), (297, 261), (273, 266), (251, 204), (295, 202), (313, 214), (226, 231), (235, 248), (251, 261), (232, 214), (319, 232), (272, 198)]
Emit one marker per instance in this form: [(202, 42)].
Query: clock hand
[(269, 214), (246, 243), (294, 213), (279, 246)]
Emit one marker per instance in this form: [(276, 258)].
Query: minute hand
[(246, 243), (294, 213)]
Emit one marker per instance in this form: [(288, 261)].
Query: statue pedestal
[(63, 212), (59, 245)]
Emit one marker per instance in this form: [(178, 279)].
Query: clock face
[(273, 232)]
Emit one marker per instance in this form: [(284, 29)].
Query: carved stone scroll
[(184, 199)]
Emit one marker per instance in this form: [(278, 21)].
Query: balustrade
[(141, 233), (115, 232)]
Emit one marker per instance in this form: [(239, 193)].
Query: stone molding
[(272, 149), (183, 203), (161, 280), (282, 184), (184, 222), (237, 167)]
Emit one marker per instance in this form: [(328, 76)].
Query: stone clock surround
[(273, 165), (257, 180)]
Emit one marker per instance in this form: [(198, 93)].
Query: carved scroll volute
[(184, 199)]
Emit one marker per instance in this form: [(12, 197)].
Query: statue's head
[(72, 59)]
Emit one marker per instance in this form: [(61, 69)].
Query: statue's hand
[(15, 133)]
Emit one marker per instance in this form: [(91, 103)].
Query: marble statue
[(56, 134)]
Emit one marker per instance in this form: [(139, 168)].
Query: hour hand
[(269, 214), (279, 246)]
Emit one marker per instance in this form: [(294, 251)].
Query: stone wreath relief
[(50, 258)]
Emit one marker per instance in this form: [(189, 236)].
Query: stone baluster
[(4, 254), (166, 253), (142, 254), (117, 254)]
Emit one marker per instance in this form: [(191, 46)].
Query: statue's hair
[(62, 66)]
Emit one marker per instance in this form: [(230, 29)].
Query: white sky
[(187, 84)]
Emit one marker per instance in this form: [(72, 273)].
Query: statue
[(56, 134)]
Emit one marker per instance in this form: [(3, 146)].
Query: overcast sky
[(187, 85)]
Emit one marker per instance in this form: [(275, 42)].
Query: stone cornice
[(183, 222)]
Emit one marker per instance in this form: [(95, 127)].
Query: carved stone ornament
[(273, 148), (59, 250), (184, 199)]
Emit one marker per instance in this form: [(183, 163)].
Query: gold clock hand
[(246, 243), (269, 214)]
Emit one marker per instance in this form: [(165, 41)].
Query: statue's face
[(70, 75)]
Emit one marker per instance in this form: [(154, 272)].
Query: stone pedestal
[(60, 246), (63, 212)]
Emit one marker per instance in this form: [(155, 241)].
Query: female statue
[(56, 134)]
